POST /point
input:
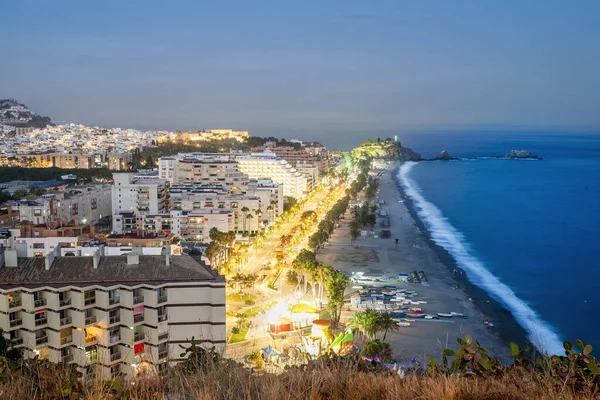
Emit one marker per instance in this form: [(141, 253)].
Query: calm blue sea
[(525, 231)]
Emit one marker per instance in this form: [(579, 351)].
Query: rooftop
[(111, 270)]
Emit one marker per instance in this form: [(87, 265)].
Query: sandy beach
[(415, 251)]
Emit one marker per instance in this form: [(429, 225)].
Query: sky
[(305, 68)]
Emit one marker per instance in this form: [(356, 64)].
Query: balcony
[(138, 299), (138, 318), (66, 340), (89, 301), (17, 341), (138, 337), (163, 354), (66, 321), (15, 303), (67, 358), (64, 302), (114, 319), (41, 321), (161, 299), (115, 339), (115, 357), (113, 300), (41, 340), (16, 322), (39, 303), (162, 317), (90, 320), (163, 336)]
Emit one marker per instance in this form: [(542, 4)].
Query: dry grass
[(319, 381)]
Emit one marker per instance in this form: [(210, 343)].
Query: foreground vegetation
[(206, 375)]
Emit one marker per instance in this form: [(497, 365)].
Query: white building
[(138, 194), (244, 220), (203, 169), (267, 165), (234, 170), (110, 315)]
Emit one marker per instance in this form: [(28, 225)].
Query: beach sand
[(415, 251)]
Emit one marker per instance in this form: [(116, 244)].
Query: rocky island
[(444, 155), (521, 154)]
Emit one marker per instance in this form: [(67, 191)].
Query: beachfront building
[(82, 204), (110, 315)]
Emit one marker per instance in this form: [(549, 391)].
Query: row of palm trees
[(247, 217)]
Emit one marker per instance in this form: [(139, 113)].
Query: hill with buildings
[(17, 115)]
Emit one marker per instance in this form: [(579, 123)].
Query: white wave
[(445, 235)]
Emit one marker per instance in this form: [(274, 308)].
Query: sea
[(525, 231)]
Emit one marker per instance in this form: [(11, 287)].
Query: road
[(262, 252)]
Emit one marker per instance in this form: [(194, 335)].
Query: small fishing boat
[(445, 315), (357, 287), (429, 317), (415, 315), (457, 314), (403, 323), (409, 319)]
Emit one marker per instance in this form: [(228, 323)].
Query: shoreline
[(416, 251), (507, 327)]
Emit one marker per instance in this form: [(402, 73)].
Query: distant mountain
[(19, 115)]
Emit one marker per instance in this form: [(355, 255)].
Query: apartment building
[(83, 204), (196, 224), (267, 165), (203, 169), (294, 156), (244, 208), (137, 194), (110, 315)]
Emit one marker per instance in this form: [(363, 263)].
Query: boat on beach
[(457, 314), (445, 315)]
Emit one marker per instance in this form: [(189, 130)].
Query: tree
[(212, 251), (245, 211), (309, 217), (285, 241), (354, 230), (386, 323), (19, 194), (292, 277), (214, 234), (258, 213), (249, 219), (366, 322), (37, 192), (378, 351), (336, 285)]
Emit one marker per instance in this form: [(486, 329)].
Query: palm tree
[(249, 218), (386, 323), (269, 209), (366, 322), (258, 213), (245, 211)]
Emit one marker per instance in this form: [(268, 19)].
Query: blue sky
[(301, 68)]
